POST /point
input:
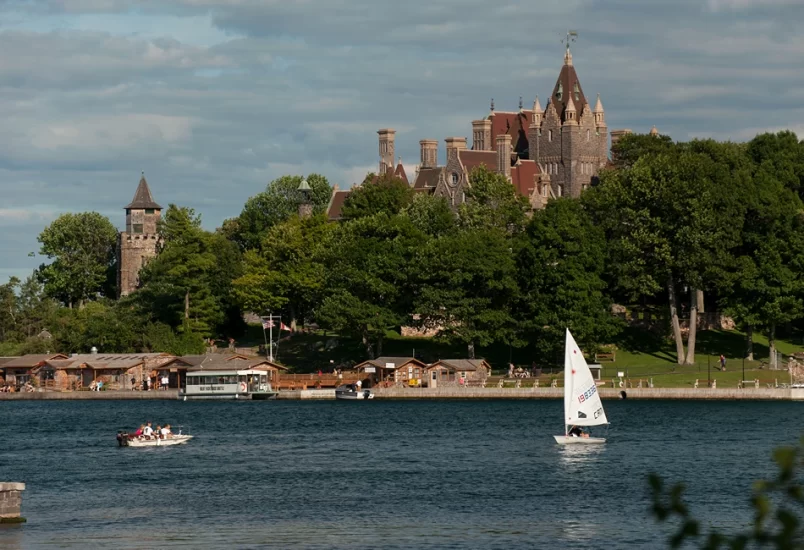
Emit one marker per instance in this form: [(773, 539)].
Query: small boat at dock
[(351, 391)]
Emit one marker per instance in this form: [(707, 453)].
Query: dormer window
[(577, 91), (559, 91)]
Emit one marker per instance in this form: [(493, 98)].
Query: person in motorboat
[(158, 431), (148, 431), (165, 431), (139, 431)]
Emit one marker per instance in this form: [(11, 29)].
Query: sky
[(213, 99)]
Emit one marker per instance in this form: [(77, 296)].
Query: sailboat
[(582, 405)]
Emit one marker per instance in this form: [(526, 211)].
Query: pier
[(11, 502)]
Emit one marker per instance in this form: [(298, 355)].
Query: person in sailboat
[(575, 431)]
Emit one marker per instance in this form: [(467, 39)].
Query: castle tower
[(387, 156), (138, 243), (569, 140), (504, 151)]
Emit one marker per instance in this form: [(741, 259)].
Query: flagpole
[(271, 332), (264, 336)]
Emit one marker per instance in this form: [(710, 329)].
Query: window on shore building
[(559, 190), (149, 210), (544, 190), (137, 228), (454, 178)]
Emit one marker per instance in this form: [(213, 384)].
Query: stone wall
[(11, 502), (133, 251)]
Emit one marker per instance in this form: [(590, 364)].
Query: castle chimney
[(454, 144), (504, 150), (429, 153), (481, 135), (387, 150)]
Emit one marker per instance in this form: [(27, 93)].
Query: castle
[(139, 242), (545, 152)]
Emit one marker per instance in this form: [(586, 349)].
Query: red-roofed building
[(545, 152)]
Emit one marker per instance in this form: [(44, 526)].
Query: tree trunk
[(187, 305), (471, 350), (367, 345), (671, 292), (379, 346), (749, 343), (693, 327), (772, 345)]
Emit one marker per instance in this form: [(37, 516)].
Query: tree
[(286, 274), (431, 214), (277, 203), (82, 247), (385, 193), (492, 201), (662, 221), (560, 265), (631, 147), (9, 310), (367, 278), (466, 286), (776, 503), (188, 284)]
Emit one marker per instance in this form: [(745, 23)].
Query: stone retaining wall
[(606, 393), (306, 394), (89, 395), (11, 502)]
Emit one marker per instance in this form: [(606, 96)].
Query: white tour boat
[(582, 405), (350, 391), (246, 383)]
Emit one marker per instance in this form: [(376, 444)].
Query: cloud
[(215, 98)]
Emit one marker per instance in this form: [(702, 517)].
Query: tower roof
[(143, 197), (568, 85)]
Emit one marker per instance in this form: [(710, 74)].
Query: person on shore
[(722, 362), (148, 383), (148, 431)]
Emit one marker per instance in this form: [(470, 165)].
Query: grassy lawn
[(640, 354)]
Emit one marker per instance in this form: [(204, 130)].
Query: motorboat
[(125, 439), (351, 391)]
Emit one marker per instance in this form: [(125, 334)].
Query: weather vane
[(571, 37)]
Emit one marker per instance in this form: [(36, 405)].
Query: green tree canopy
[(492, 201), (385, 193), (83, 248), (277, 203), (561, 261)]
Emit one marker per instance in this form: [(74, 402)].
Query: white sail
[(582, 405)]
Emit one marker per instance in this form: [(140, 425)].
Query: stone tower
[(569, 139), (138, 243)]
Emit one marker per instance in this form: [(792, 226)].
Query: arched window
[(588, 135), (577, 91), (550, 135), (454, 178)]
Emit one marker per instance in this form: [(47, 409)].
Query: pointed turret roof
[(654, 131), (598, 105), (567, 86), (143, 197), (537, 107)]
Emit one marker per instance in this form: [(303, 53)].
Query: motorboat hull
[(571, 440), (352, 395), (124, 441)]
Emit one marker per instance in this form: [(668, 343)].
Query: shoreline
[(404, 393)]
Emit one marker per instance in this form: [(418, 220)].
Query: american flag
[(267, 323)]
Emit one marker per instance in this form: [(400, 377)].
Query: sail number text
[(587, 394)]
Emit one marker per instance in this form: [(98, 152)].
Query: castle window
[(149, 210), (550, 135), (577, 92), (559, 91), (454, 178), (588, 135), (544, 190), (558, 188), (137, 228)]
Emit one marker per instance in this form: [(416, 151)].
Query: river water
[(378, 474)]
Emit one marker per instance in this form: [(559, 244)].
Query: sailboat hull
[(570, 440)]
